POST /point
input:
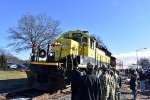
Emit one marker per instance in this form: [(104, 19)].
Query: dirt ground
[(10, 85), (127, 94)]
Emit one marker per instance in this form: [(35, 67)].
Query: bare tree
[(100, 44), (33, 30), (99, 41), (10, 57), (144, 62)]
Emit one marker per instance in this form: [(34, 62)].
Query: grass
[(5, 75)]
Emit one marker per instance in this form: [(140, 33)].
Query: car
[(23, 66), (26, 64), (20, 65), (13, 66), (9, 64)]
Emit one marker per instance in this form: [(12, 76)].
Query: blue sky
[(123, 25)]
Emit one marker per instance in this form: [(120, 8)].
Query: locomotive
[(52, 72)]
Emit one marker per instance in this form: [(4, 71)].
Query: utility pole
[(137, 55)]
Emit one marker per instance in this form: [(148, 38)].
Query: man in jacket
[(90, 85), (118, 86), (133, 84), (142, 80), (75, 82), (105, 83)]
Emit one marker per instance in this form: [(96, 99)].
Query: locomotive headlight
[(56, 43), (51, 54)]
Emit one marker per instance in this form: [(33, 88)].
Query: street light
[(137, 56)]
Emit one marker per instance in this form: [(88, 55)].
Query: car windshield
[(10, 63)]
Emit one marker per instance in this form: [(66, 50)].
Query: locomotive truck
[(53, 71)]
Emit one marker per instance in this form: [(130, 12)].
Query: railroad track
[(34, 94)]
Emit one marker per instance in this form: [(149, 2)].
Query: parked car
[(11, 65), (20, 65), (26, 64), (23, 66)]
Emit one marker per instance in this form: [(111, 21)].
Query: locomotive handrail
[(66, 56), (60, 55), (46, 63)]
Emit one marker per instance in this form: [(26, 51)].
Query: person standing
[(75, 82), (142, 80), (105, 83), (119, 84), (96, 70), (90, 85), (116, 83), (112, 86), (133, 84)]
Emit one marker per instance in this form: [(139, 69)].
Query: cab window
[(84, 41), (91, 43), (76, 34), (66, 35), (77, 39)]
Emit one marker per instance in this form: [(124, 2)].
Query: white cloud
[(131, 58), (133, 54)]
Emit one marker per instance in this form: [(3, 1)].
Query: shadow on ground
[(28, 94), (12, 85), (125, 93)]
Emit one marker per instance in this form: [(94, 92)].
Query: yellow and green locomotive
[(59, 56)]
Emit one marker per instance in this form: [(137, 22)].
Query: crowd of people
[(138, 77), (95, 83)]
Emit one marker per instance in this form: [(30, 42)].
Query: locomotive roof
[(84, 33)]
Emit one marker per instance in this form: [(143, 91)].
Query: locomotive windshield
[(77, 39), (76, 34), (66, 35), (84, 40)]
